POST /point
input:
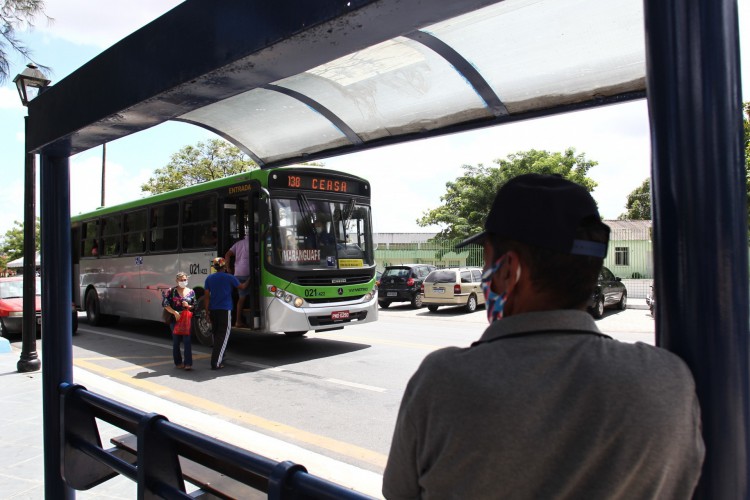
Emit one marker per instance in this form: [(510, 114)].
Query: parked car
[(609, 292), (453, 287), (11, 306), (402, 283)]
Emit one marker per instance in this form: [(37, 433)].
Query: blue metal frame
[(700, 221), (54, 180), (699, 202)]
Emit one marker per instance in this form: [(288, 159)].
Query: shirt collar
[(565, 320)]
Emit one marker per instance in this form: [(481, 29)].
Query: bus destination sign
[(317, 182)]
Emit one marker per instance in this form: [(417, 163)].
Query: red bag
[(182, 327)]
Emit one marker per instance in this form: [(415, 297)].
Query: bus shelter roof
[(294, 80)]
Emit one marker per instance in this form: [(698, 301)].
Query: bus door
[(239, 220), (75, 252)]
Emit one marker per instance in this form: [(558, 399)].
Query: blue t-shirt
[(220, 286)]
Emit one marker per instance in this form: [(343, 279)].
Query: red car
[(11, 306)]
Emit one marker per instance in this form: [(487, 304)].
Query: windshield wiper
[(304, 206)]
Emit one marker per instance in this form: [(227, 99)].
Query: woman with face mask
[(178, 300)]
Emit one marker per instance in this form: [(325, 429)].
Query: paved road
[(328, 401)]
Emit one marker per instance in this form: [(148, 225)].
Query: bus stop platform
[(21, 438), (22, 444)]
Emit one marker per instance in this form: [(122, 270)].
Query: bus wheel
[(295, 334), (201, 327), (92, 309)]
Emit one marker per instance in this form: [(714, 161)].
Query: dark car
[(402, 283), (609, 292)]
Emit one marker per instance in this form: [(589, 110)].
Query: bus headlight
[(368, 297), (287, 297)]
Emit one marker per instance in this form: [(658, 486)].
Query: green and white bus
[(125, 256)]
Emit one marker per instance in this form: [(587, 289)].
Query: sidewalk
[(21, 439), (637, 304)]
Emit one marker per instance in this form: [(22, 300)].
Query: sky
[(407, 179)]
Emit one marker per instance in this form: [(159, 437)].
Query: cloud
[(122, 184), (9, 99), (100, 23)]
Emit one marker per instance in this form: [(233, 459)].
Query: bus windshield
[(321, 234)]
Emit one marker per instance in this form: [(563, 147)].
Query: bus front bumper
[(284, 317)]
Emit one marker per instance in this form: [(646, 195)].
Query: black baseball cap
[(544, 211)]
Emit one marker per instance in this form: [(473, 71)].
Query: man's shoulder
[(438, 360), (643, 356)]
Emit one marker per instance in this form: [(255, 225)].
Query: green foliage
[(638, 206), (12, 241), (14, 15), (203, 162), (468, 199)]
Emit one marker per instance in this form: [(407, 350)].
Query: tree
[(15, 14), (203, 162), (12, 240), (468, 199), (638, 206)]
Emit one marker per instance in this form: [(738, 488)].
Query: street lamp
[(29, 83)]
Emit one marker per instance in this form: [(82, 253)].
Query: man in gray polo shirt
[(544, 405)]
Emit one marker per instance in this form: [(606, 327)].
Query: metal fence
[(629, 257), (630, 254)]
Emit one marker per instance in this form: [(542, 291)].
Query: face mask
[(494, 302), (182, 284)]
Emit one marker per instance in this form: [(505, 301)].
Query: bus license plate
[(339, 315)]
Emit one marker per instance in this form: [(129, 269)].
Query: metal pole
[(104, 165), (29, 360), (700, 220), (57, 340)]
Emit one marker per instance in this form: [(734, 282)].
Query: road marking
[(356, 385), (198, 356), (334, 445)]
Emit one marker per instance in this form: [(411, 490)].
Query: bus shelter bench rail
[(160, 456)]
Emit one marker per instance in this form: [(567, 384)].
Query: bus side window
[(199, 223), (164, 229), (134, 232), (89, 244), (111, 236)]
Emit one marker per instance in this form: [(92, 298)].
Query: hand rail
[(160, 445)]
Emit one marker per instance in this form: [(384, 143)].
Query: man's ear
[(507, 277)]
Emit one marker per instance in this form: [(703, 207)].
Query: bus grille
[(334, 299), (333, 281)]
